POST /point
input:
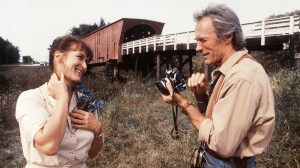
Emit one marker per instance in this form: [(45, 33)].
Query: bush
[(284, 148), (137, 123)]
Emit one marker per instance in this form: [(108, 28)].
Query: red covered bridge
[(107, 41), (138, 43)]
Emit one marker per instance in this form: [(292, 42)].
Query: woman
[(54, 133)]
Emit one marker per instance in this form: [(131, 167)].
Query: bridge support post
[(116, 70), (180, 63), (158, 68), (292, 50), (169, 62), (136, 67)]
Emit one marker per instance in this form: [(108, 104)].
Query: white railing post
[(291, 25), (175, 42), (188, 41), (140, 46), (133, 45), (154, 44), (127, 48), (164, 43), (262, 42), (146, 44)]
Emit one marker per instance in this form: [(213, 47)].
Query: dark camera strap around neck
[(215, 80), (213, 93)]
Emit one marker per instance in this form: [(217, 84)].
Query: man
[(240, 117)]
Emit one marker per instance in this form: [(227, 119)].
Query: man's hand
[(173, 98), (197, 82)]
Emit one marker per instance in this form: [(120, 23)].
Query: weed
[(137, 123)]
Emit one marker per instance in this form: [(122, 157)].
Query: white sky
[(32, 25)]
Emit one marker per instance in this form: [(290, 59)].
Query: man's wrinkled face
[(208, 43)]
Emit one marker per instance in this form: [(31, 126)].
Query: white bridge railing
[(162, 41), (261, 29)]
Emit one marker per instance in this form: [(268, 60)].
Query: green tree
[(85, 29), (9, 54), (27, 59)]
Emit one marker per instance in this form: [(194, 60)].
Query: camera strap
[(175, 115)]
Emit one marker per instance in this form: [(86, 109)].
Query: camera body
[(175, 78)]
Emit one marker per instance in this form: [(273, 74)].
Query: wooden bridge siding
[(104, 43), (90, 42), (108, 41)]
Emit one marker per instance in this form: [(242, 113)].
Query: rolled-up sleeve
[(231, 118), (30, 114)]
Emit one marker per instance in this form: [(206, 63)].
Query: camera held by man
[(175, 78)]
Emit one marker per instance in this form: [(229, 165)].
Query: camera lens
[(162, 87)]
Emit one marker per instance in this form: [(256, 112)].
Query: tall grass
[(137, 124), (284, 150)]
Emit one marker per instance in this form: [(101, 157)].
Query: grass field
[(137, 124)]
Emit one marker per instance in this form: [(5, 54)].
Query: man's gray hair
[(226, 22)]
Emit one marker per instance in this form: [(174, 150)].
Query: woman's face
[(73, 65)]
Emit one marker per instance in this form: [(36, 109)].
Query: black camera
[(175, 78)]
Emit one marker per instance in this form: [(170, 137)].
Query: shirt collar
[(232, 60), (52, 101)]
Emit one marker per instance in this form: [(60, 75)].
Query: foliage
[(293, 13), (272, 60), (27, 59), (137, 124), (284, 150), (85, 29), (297, 42), (9, 54)]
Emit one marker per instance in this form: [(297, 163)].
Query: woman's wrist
[(98, 129), (99, 135)]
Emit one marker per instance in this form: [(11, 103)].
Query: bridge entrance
[(138, 32)]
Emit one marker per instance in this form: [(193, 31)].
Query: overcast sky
[(33, 24)]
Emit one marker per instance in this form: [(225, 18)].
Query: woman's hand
[(57, 88), (197, 82), (86, 120)]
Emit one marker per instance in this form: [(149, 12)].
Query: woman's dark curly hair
[(64, 44)]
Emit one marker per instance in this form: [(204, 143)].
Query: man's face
[(208, 44)]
